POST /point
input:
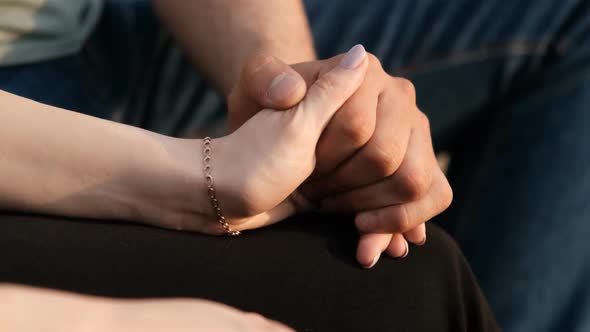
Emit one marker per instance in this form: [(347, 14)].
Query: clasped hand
[(344, 132)]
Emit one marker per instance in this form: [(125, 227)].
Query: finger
[(350, 128), (332, 89), (296, 203), (282, 211), (404, 217), (354, 123), (312, 70), (272, 83), (370, 247), (398, 247), (417, 235), (379, 158), (266, 82), (409, 183)]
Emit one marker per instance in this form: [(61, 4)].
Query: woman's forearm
[(220, 35), (27, 309), (54, 161)]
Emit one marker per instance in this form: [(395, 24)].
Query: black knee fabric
[(301, 272)]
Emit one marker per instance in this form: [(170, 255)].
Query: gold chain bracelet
[(211, 188)]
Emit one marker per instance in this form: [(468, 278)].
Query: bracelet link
[(207, 152)]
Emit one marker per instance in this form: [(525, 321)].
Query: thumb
[(271, 83), (335, 87)]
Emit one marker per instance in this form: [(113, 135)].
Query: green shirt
[(38, 30)]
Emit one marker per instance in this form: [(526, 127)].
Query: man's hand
[(374, 158)]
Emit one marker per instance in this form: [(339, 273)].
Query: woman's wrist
[(189, 207), (176, 194), (234, 186)]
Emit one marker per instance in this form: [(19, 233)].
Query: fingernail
[(407, 250), (421, 243), (282, 87), (375, 260), (354, 57)]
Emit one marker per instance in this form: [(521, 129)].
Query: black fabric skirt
[(301, 272)]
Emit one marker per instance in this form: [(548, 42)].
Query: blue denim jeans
[(505, 84)]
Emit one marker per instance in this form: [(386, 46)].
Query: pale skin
[(27, 309), (375, 158), (55, 161)]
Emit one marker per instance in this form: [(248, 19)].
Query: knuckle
[(251, 79), (423, 120), (407, 87), (356, 126), (383, 161), (255, 63), (376, 68), (374, 61), (447, 196), (414, 184), (401, 219), (326, 87)]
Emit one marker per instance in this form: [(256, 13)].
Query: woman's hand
[(258, 167)]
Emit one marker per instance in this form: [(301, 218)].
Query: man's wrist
[(220, 35)]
